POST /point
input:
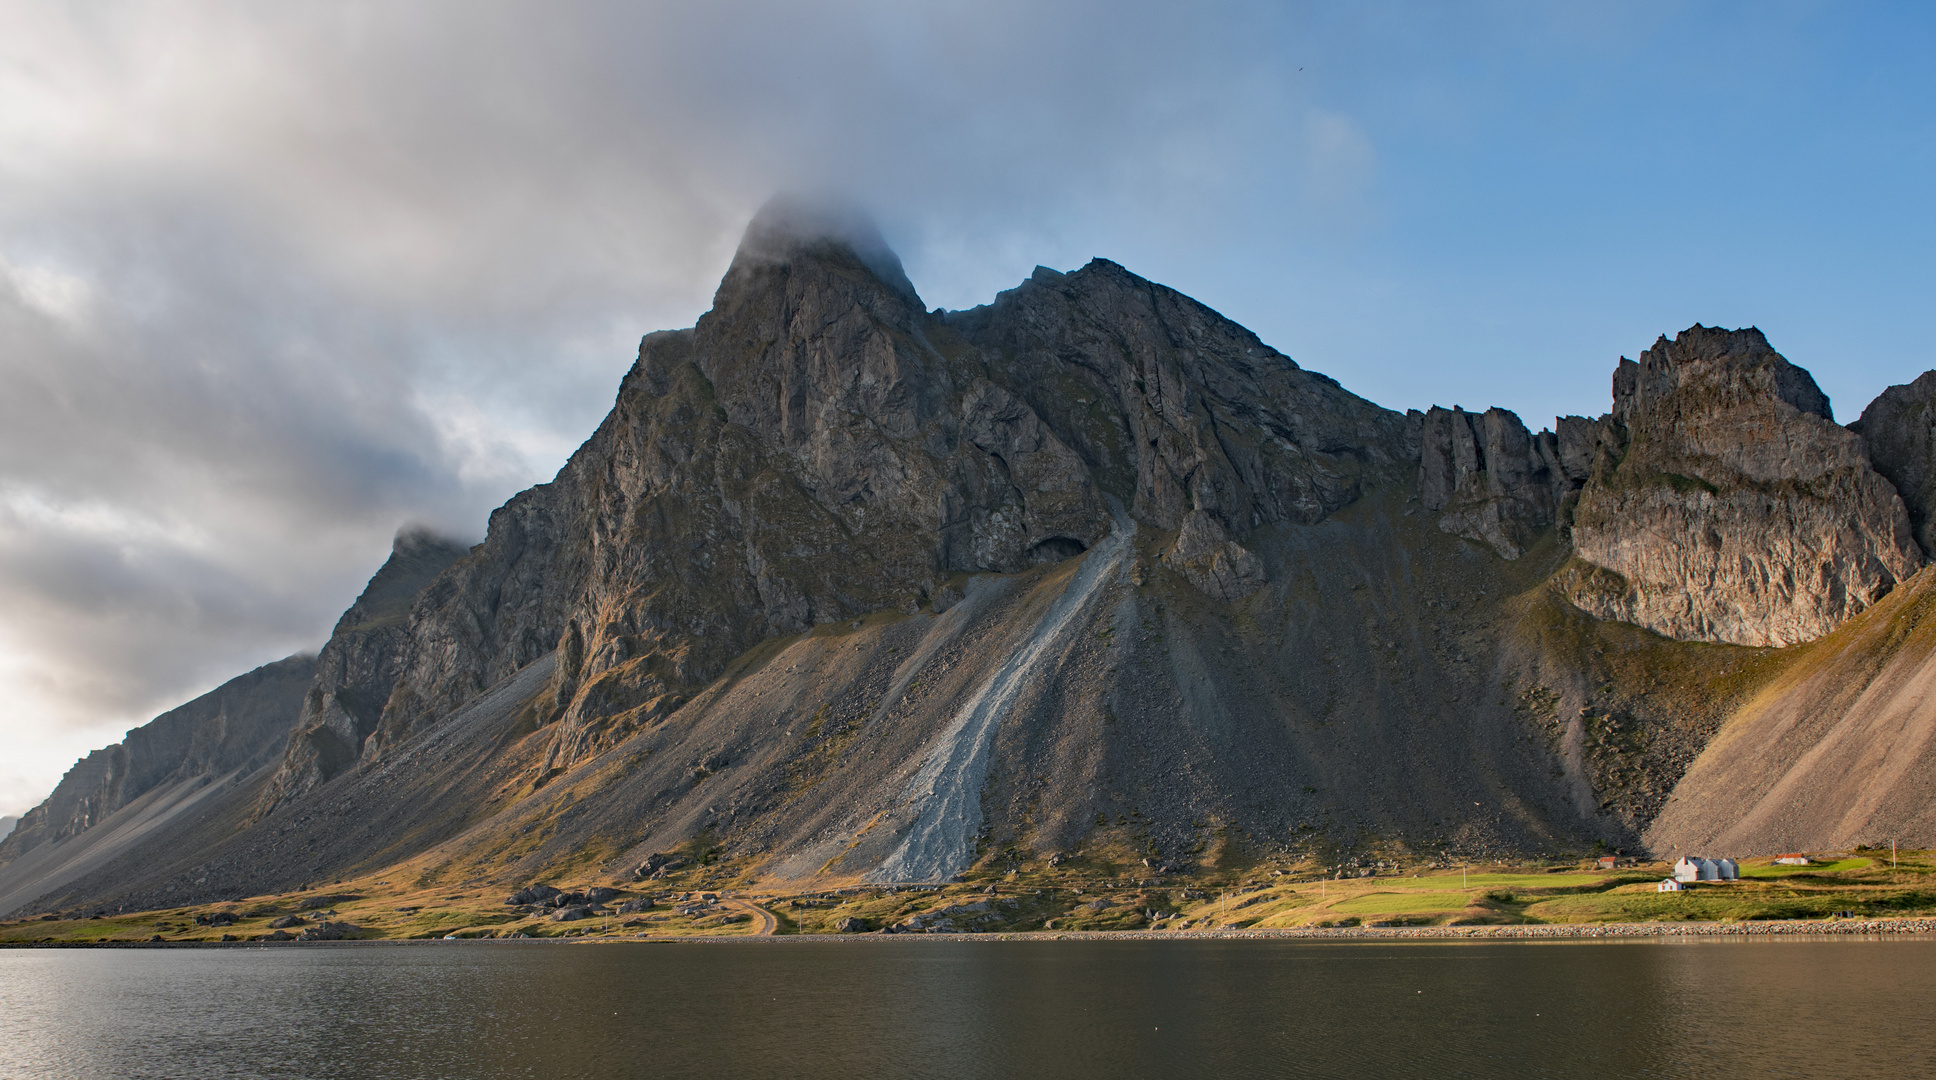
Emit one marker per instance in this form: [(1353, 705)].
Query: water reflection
[(1797, 1008)]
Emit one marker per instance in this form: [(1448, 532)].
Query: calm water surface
[(475, 1010)]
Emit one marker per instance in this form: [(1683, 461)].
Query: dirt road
[(765, 923)]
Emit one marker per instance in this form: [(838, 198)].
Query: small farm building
[(1695, 868)]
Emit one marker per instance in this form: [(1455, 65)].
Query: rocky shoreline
[(1561, 931), (1536, 932)]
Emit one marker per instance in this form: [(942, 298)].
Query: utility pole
[(1892, 854)]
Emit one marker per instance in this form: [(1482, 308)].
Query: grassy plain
[(1074, 895)]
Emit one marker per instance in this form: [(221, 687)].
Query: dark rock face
[(819, 446), (1899, 430), (1215, 564), (356, 670), (1726, 505), (1488, 477), (237, 726), (1576, 441)]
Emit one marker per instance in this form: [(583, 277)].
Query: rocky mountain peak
[(356, 669), (417, 554), (795, 227), (1726, 503), (1737, 363)]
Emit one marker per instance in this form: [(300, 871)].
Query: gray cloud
[(277, 279)]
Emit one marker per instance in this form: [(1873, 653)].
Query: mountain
[(176, 766), (848, 589)]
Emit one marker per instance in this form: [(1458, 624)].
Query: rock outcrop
[(1727, 505), (1488, 478), (237, 726), (357, 668), (1899, 430), (1218, 566)]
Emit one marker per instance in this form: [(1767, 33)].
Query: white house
[(1792, 860), (1695, 868), (1670, 885)]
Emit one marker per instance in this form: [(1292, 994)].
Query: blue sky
[(277, 280), (1544, 190)]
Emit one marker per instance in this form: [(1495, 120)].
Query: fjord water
[(1706, 1008)]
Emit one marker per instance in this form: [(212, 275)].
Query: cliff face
[(1488, 478), (1899, 430), (237, 726), (1726, 505), (357, 668)]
